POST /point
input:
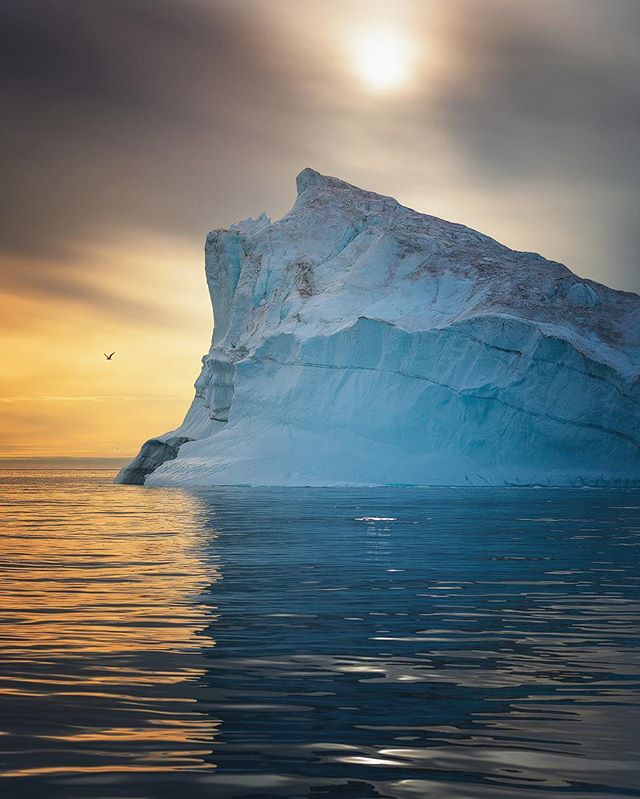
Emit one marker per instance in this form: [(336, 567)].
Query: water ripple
[(479, 644)]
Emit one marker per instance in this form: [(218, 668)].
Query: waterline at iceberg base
[(358, 342)]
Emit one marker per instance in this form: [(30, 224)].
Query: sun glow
[(383, 60)]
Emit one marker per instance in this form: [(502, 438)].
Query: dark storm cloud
[(531, 99), (555, 105), (125, 113)]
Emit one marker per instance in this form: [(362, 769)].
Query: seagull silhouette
[(109, 357)]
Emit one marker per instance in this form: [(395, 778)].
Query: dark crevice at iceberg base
[(358, 342), (154, 453)]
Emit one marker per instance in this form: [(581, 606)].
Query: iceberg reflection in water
[(456, 644)]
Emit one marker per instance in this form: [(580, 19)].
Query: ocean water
[(236, 642)]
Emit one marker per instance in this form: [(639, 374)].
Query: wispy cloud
[(20, 400)]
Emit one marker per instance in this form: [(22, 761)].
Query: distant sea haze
[(63, 462)]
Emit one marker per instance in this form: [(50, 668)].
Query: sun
[(382, 60)]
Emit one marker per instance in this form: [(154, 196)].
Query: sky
[(132, 127)]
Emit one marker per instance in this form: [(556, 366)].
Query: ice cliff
[(359, 342)]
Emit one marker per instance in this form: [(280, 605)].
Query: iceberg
[(359, 342)]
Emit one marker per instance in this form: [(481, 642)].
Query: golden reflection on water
[(390, 643), (99, 619)]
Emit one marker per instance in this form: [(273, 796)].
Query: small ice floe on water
[(376, 519)]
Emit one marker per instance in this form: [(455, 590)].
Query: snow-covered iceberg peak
[(357, 342)]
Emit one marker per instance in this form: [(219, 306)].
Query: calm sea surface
[(235, 642)]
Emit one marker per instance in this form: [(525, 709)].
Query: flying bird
[(109, 357)]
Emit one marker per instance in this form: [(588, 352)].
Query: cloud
[(526, 99), (176, 117), (549, 103), (128, 114), (20, 400)]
